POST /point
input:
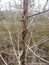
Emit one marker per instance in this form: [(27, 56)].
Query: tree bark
[(24, 32)]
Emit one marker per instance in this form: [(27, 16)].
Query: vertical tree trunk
[(24, 32)]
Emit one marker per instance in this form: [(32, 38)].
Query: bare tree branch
[(30, 22), (37, 55), (45, 4), (17, 56), (3, 60), (40, 42), (11, 54), (12, 44), (38, 13)]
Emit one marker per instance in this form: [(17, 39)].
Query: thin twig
[(1, 52), (31, 22), (40, 42), (45, 4)]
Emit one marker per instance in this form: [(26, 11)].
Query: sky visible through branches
[(4, 3)]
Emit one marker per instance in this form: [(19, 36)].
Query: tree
[(24, 32), (21, 55)]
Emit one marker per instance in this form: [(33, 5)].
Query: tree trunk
[(24, 32)]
